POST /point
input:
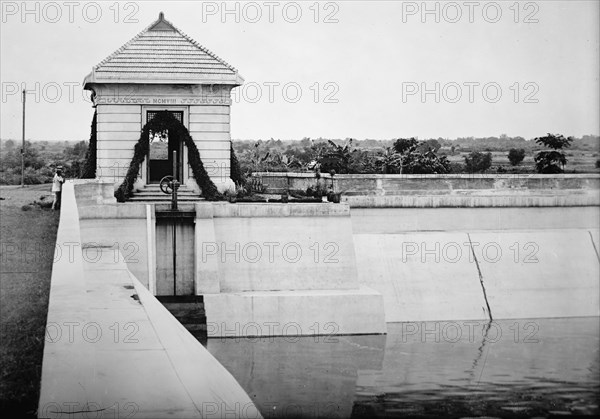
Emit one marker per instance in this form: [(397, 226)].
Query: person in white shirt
[(57, 183)]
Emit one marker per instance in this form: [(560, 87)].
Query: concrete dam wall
[(308, 264)]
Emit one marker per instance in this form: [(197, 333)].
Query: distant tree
[(554, 160), (405, 145), (337, 157), (433, 144), (420, 157), (426, 163), (478, 162), (516, 156), (9, 144)]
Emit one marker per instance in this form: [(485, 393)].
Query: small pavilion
[(161, 69)]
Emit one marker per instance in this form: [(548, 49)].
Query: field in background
[(27, 241), (578, 161)]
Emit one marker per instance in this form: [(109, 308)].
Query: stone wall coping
[(434, 176)]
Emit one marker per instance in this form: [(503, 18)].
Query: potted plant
[(332, 196)]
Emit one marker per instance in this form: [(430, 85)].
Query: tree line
[(412, 156), (547, 154)]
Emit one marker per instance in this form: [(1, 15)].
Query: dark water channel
[(511, 368)]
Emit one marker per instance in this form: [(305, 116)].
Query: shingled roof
[(161, 53)]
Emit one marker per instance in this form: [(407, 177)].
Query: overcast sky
[(331, 69)]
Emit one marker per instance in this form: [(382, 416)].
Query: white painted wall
[(118, 130), (209, 127)]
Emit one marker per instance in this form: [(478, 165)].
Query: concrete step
[(153, 192), (187, 319), (187, 309), (186, 195), (182, 308), (164, 198), (180, 299), (196, 328), (159, 192)]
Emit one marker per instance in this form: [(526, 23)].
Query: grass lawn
[(27, 240)]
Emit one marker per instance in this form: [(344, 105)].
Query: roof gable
[(163, 54)]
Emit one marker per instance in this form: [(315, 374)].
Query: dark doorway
[(162, 145)]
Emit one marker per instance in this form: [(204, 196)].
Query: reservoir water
[(507, 368)]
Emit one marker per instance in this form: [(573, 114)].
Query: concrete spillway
[(452, 263)]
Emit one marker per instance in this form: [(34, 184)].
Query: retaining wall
[(476, 190)]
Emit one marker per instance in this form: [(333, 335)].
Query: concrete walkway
[(112, 350)]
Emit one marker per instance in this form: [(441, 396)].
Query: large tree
[(553, 160)]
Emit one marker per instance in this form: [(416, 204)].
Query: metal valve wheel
[(166, 185)]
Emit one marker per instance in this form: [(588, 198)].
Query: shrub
[(516, 156), (88, 171), (235, 171), (477, 162), (456, 167)]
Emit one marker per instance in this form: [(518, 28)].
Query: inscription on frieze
[(106, 100)]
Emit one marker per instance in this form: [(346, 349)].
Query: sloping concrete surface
[(528, 262), (533, 274), (112, 350), (422, 276)]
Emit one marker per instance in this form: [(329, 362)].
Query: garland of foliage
[(89, 167), (236, 172), (165, 121)]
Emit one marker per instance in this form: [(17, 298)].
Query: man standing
[(57, 183)]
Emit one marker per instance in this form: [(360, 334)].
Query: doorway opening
[(160, 155)]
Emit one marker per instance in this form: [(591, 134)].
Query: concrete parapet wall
[(471, 190), (94, 192)]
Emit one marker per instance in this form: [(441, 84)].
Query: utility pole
[(23, 144)]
